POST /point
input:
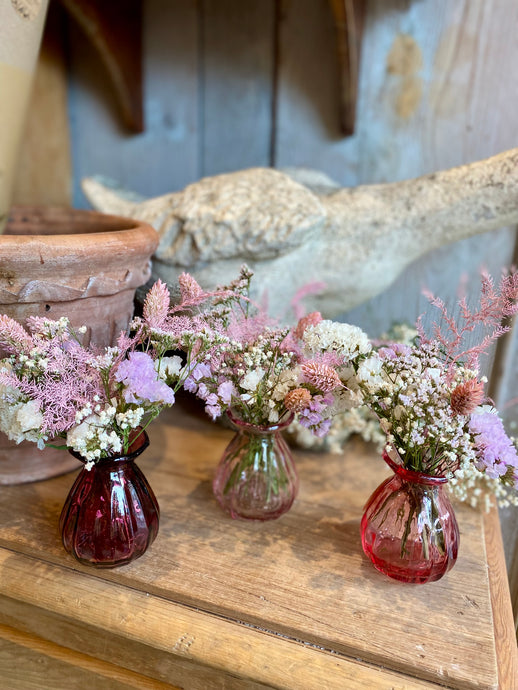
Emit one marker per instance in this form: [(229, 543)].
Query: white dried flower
[(330, 336), (251, 379)]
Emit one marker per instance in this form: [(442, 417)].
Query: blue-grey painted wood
[(166, 155), (236, 84), (308, 124)]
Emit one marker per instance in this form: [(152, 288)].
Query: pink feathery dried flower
[(467, 396), (13, 336), (309, 289), (297, 399), (496, 304), (189, 288), (156, 305), (310, 319), (321, 376)]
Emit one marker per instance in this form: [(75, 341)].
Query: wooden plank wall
[(232, 84)]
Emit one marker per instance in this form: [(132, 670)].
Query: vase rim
[(138, 446), (262, 428), (413, 475)]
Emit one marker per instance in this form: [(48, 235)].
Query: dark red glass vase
[(111, 514), (256, 478), (409, 529)]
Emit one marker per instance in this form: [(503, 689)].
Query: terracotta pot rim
[(91, 226), (100, 255)]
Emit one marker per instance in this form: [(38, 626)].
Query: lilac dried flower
[(312, 417), (495, 453), (140, 379), (226, 390)]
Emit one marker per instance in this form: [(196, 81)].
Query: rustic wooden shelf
[(219, 603)]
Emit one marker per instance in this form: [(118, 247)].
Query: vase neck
[(138, 444), (250, 428), (411, 476)]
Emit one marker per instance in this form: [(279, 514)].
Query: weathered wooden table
[(217, 603)]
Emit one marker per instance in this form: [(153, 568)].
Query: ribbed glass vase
[(256, 478), (111, 514), (409, 529)]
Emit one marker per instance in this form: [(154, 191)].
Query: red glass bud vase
[(409, 529), (111, 514), (256, 478)]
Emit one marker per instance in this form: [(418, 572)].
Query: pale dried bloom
[(189, 288), (156, 305), (297, 400), (168, 367), (343, 339), (287, 380), (251, 379), (309, 320), (321, 376), (467, 396), (370, 373), (21, 421)]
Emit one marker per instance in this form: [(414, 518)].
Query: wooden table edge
[(215, 642), (503, 620)]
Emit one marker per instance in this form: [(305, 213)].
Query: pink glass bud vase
[(409, 529), (256, 478), (111, 515)]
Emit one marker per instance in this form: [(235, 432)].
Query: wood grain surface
[(45, 664), (279, 604)]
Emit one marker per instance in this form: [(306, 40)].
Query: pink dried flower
[(321, 376), (467, 396), (247, 330), (13, 336), (66, 385), (310, 319), (189, 288), (495, 305), (156, 305), (297, 399), (309, 289)]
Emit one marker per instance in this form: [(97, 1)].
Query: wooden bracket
[(349, 17), (115, 29)]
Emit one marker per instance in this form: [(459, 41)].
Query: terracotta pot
[(63, 262)]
